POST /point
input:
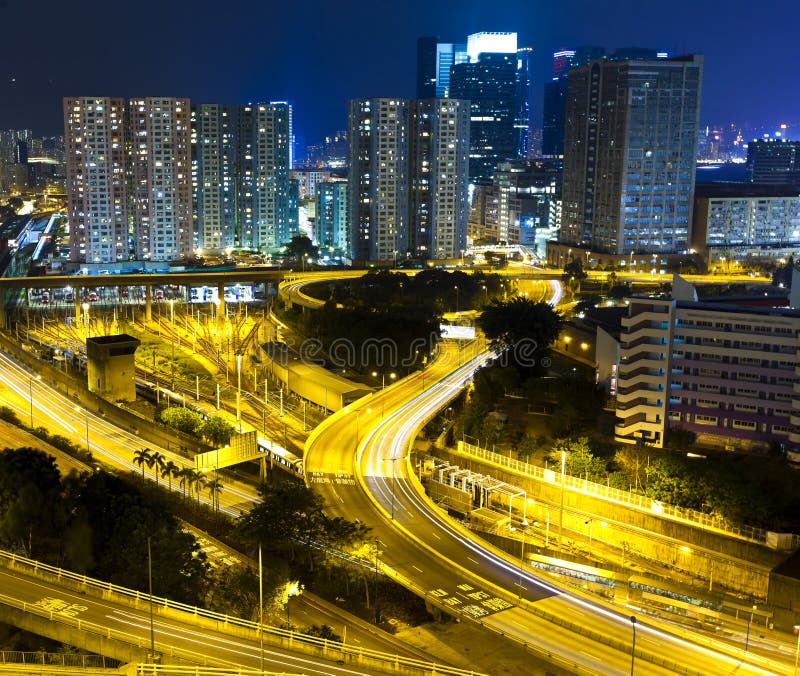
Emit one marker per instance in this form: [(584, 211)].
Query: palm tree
[(184, 478), (157, 459), (142, 457), (199, 481), (170, 470), (214, 487)]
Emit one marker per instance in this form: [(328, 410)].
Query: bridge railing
[(58, 659), (695, 518), (274, 636), (177, 670)]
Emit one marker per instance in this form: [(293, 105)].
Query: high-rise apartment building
[(439, 177), (161, 182), (379, 178), (213, 184), (629, 155), (408, 178), (97, 198), (426, 67), (332, 210), (774, 161), (263, 161)]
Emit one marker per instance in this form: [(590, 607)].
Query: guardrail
[(167, 670), (273, 635), (699, 519), (42, 658)]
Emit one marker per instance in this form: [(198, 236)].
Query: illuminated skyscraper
[(161, 186), (629, 155), (439, 177), (213, 186), (97, 201), (263, 161), (379, 181), (332, 210), (408, 178), (774, 162)]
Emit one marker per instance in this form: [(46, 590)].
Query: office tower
[(213, 185), (309, 180), (378, 178), (426, 67), (774, 161), (332, 210), (490, 85), (522, 95), (21, 152), (97, 201), (439, 176), (629, 155), (161, 184), (447, 55), (263, 161), (555, 96)]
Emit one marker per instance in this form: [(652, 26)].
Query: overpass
[(129, 626)]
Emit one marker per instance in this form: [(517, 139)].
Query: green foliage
[(290, 517), (579, 459), (301, 247), (182, 419), (573, 269), (234, 590), (32, 510), (322, 631), (528, 326), (217, 431)]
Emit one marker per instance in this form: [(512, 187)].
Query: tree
[(156, 463), (301, 247), (182, 419), (527, 326), (217, 431), (574, 270), (579, 459), (142, 457), (170, 470), (214, 487)]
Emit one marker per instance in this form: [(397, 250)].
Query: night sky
[(317, 55)]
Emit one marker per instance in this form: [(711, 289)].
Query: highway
[(359, 461)]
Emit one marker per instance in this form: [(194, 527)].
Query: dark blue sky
[(318, 54)]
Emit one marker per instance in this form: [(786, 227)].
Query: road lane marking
[(415, 568), (473, 561), (436, 535)]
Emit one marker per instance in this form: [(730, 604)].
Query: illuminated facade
[(727, 373), (97, 199), (213, 186), (266, 218), (161, 186), (332, 209), (774, 161), (408, 178), (629, 155)]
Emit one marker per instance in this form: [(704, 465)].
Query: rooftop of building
[(742, 189)]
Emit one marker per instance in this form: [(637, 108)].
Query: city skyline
[(278, 57)]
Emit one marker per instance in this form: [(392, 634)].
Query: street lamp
[(796, 630), (30, 392), (292, 589), (392, 376), (394, 475), (561, 511), (567, 341), (457, 299), (239, 391), (749, 622), (633, 645)]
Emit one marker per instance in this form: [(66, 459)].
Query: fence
[(57, 659), (690, 516)]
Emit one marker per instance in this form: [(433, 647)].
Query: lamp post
[(377, 611), (561, 511), (394, 476), (239, 391), (633, 645), (796, 630), (590, 523), (171, 310), (749, 622), (30, 392), (150, 584), (458, 297)]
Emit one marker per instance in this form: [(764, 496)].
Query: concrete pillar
[(78, 298), (148, 304), (3, 309), (221, 307)]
